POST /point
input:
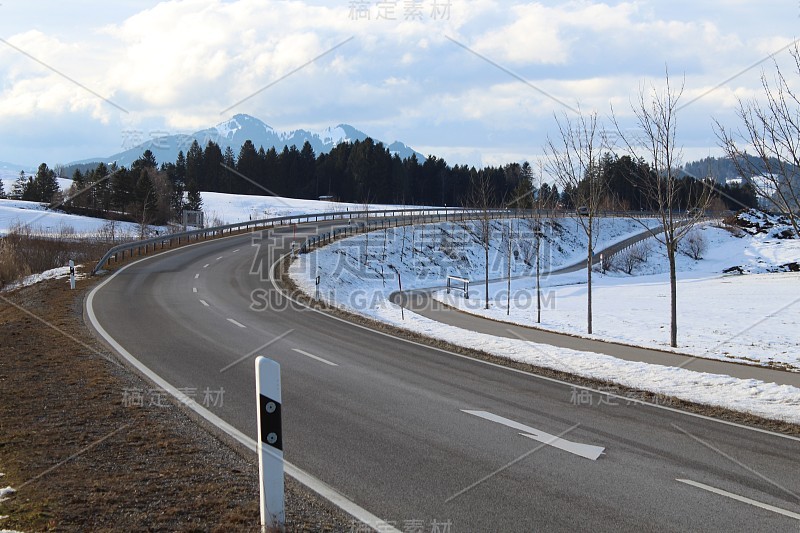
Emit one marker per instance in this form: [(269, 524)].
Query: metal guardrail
[(387, 222), (457, 214), (143, 247), (382, 218)]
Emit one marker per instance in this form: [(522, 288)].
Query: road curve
[(419, 436)]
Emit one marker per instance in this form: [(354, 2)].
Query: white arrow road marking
[(587, 451), (740, 498), (312, 356)]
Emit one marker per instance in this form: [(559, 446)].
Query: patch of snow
[(54, 273), (6, 492), (334, 136)]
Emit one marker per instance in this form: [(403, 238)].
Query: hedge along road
[(412, 435)]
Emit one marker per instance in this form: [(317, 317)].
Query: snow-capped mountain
[(234, 132)]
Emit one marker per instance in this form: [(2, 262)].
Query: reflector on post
[(270, 442)]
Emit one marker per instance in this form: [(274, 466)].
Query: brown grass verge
[(81, 460)]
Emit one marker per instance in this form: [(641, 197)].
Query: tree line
[(360, 172)]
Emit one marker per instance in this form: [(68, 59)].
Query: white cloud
[(177, 64)]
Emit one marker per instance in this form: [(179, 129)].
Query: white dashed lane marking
[(316, 357)]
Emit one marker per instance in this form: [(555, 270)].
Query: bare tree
[(538, 234), (772, 129), (694, 245), (678, 207), (574, 161), (480, 197), (510, 250), (628, 259)]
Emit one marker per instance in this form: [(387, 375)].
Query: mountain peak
[(235, 131)]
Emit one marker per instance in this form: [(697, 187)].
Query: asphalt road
[(386, 426)]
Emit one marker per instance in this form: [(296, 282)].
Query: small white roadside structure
[(454, 282)]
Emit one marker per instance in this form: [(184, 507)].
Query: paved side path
[(420, 301)]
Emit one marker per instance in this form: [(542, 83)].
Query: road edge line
[(318, 486)]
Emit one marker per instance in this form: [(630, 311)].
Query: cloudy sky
[(474, 82)]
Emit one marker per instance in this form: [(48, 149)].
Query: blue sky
[(475, 82)]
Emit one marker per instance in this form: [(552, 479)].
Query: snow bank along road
[(423, 302), (416, 435)]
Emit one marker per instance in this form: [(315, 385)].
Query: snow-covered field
[(747, 318), (37, 219), (219, 209), (713, 307)]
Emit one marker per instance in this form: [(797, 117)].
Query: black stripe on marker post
[(270, 422)]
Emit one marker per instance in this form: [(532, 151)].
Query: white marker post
[(270, 443), (72, 274)]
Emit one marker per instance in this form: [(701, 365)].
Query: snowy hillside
[(714, 301), (425, 254), (725, 316), (721, 315), (37, 219), (221, 208)]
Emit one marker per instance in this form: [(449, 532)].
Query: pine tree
[(101, 189), (228, 158), (76, 196), (123, 190), (247, 165), (146, 160), (18, 188), (194, 202), (212, 168), (180, 169), (194, 165), (145, 192), (2, 191), (48, 184)]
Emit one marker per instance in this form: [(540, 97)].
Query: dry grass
[(23, 251), (82, 460)]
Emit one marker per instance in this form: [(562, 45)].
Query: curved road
[(419, 436)]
